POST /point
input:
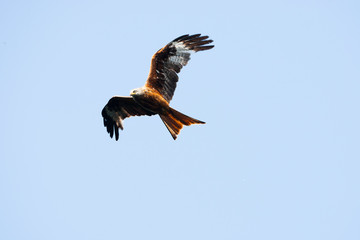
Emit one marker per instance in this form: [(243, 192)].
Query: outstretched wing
[(168, 61), (119, 108)]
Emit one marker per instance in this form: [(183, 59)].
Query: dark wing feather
[(119, 108), (168, 61)]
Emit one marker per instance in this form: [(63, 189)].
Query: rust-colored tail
[(175, 120)]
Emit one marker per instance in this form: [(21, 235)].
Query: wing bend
[(169, 60), (119, 108)]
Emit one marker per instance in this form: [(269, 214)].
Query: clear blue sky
[(277, 159)]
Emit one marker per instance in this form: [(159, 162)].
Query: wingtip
[(195, 42), (187, 37), (116, 134), (180, 38)]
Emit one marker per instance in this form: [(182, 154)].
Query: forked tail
[(175, 120)]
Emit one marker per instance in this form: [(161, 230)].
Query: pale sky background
[(278, 157)]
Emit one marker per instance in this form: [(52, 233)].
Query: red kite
[(154, 97)]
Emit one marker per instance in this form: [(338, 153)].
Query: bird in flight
[(154, 97)]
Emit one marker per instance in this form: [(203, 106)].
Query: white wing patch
[(115, 116), (182, 54)]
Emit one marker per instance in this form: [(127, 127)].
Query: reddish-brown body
[(151, 100), (154, 97)]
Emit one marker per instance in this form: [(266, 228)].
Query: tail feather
[(175, 120)]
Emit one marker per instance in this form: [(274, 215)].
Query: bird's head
[(136, 92)]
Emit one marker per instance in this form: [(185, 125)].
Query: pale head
[(137, 91)]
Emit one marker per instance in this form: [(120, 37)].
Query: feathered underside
[(162, 79), (119, 108), (169, 60)]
